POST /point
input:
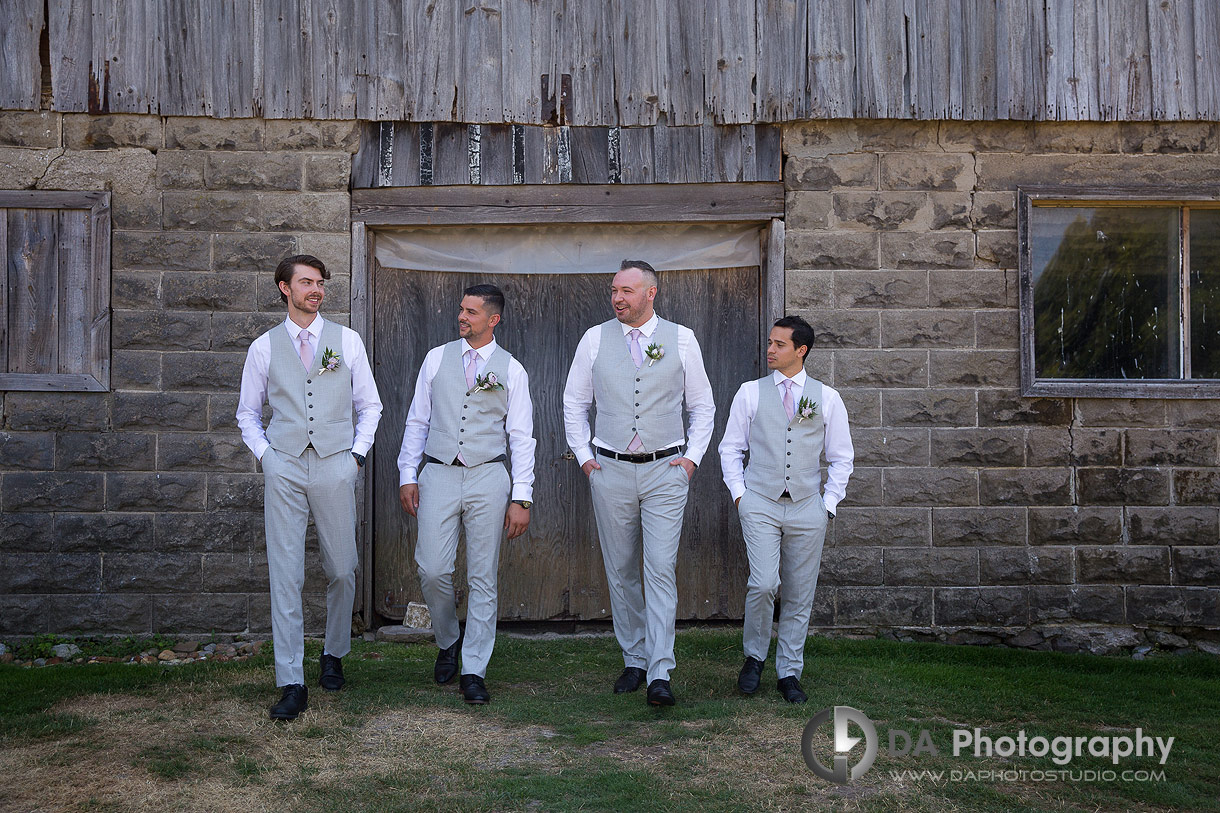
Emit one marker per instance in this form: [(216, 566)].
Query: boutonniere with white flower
[(805, 409), (330, 361), (486, 383), (655, 353)]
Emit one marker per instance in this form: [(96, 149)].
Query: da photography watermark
[(972, 743)]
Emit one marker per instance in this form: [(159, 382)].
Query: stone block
[(208, 292), (940, 249), (1051, 604), (1122, 564), (978, 447), (1025, 566), (222, 413), (161, 330), (27, 451), (158, 250), (828, 249), (975, 368), (850, 565), (985, 136), (1196, 565), (1075, 137), (1097, 640), (804, 290), (153, 573), (1194, 487), (880, 211), (196, 133), (830, 172), (863, 407), (941, 172), (931, 566), (104, 451), (181, 169), (56, 410), (84, 131), (160, 410), (1124, 412), (950, 210), (125, 170), (1113, 486), (84, 614), (865, 487), (1002, 172), (807, 210), (930, 486), (235, 492), (890, 447), (923, 407), (843, 328), (1075, 525), (1168, 137), (200, 613), (820, 365), (41, 491), (1192, 606), (972, 289), (1000, 408), (1172, 525), (50, 573), (211, 532), (881, 368), (253, 170), (135, 370), (1028, 486), (998, 606), (27, 533), (884, 606), (328, 171), (203, 371), (29, 129), (882, 527), (1073, 447), (109, 532), (927, 328), (237, 331), (135, 289), (885, 135), (405, 633), (136, 211), (251, 252), (881, 289), (196, 452), (256, 211), (1176, 447), (1194, 414), (155, 492), (335, 251), (235, 573), (22, 168), (296, 134), (819, 138), (978, 527), (994, 210), (997, 247)]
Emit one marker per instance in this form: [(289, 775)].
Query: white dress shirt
[(519, 422), (365, 399), (578, 394), (837, 447)]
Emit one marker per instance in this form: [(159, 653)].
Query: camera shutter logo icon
[(843, 716)]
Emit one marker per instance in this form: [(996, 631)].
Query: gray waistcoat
[(785, 455), (647, 401), (307, 408), (471, 424)]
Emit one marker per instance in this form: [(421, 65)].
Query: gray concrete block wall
[(140, 510), (976, 514)]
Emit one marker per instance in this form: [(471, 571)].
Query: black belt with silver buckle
[(646, 457), (456, 462)]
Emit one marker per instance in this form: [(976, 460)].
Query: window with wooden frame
[(55, 301), (1120, 293)]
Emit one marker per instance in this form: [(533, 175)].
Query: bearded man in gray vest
[(471, 405), (638, 369), (313, 373), (786, 421)]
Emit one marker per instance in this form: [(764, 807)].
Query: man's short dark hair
[(288, 266), (492, 296), (650, 273), (802, 332)]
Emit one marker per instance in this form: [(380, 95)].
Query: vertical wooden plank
[(433, 69), (6, 284), (126, 59), (406, 163), (286, 62), (70, 33), (1207, 66), (686, 42), (184, 87), (639, 41), (728, 157), (496, 154), (479, 43), (662, 152), (333, 27), (1124, 83), (585, 51), (880, 60), (932, 75), (526, 54), (590, 154), (227, 47), (773, 287), (450, 154), (1172, 59), (75, 291), (747, 135), (388, 60), (731, 63), (1060, 74), (1085, 63), (684, 159), (33, 274), (99, 329), (360, 311), (365, 161), (783, 64), (20, 68), (1020, 59), (979, 59), (635, 155), (769, 148), (831, 34)]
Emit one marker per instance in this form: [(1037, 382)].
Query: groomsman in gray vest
[(313, 373), (471, 405), (786, 421), (638, 369)]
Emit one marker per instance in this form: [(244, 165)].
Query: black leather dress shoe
[(659, 693), (294, 701), (446, 668), (474, 691), (791, 689), (631, 679), (332, 673), (750, 676)]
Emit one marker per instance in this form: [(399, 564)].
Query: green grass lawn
[(197, 737)]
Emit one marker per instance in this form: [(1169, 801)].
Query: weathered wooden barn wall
[(629, 63)]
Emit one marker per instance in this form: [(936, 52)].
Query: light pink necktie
[(306, 352), (789, 407), (472, 367), (637, 355)]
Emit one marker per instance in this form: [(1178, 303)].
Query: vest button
[(309, 381), (789, 454), (461, 430), (463, 417), (787, 478), (459, 443), (637, 417), (311, 431), (789, 440), (637, 404), (637, 392), (311, 406), (309, 393), (465, 406), (311, 418), (639, 380)]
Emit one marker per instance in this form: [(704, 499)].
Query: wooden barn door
[(555, 570)]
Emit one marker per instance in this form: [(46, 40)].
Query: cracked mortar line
[(50, 163)]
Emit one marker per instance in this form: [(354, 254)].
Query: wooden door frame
[(761, 204)]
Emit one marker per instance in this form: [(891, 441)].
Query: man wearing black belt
[(471, 405), (638, 369)]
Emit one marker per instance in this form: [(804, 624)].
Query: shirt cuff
[(264, 446), (737, 492), (583, 455), (523, 492), (406, 478), (831, 504), (361, 449), (694, 458)]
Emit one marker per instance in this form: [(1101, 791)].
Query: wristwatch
[(523, 503), (359, 459)]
